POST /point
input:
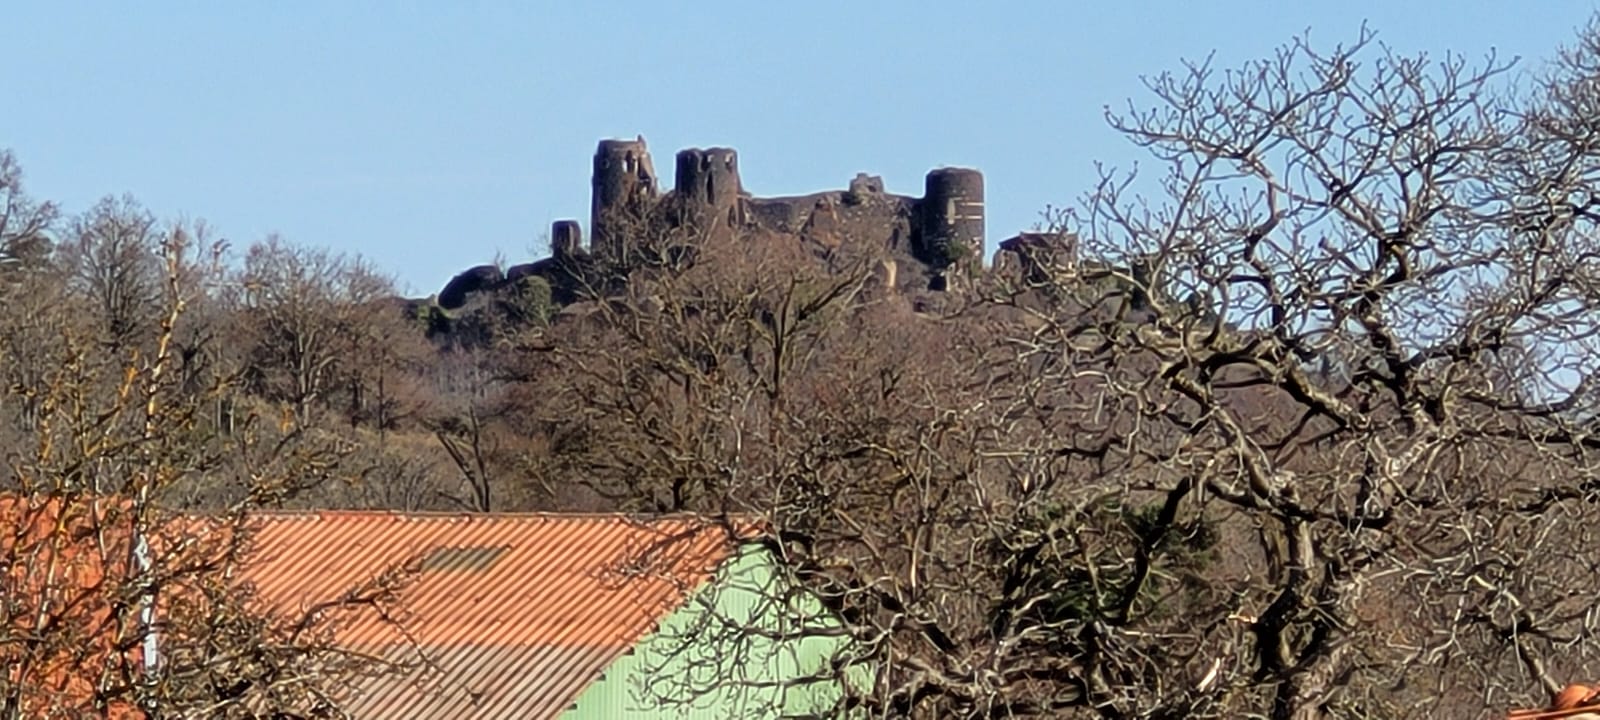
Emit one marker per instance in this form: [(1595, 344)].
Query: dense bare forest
[(1308, 434)]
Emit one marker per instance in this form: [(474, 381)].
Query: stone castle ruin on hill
[(936, 241)]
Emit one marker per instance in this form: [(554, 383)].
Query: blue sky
[(430, 136)]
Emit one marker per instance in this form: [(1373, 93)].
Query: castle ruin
[(943, 230), (936, 241)]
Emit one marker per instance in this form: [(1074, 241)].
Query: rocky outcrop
[(475, 280)]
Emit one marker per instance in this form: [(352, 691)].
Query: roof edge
[(508, 515)]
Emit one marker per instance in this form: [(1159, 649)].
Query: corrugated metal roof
[(1576, 701), (514, 614), (64, 561)]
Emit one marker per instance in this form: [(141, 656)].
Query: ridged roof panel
[(521, 612), (63, 559)]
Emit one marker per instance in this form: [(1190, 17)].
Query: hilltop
[(921, 247)]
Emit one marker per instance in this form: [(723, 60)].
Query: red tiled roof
[(519, 612)]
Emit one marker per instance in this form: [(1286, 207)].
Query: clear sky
[(429, 136)]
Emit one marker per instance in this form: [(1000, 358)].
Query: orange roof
[(64, 563), (519, 612), (1576, 701)]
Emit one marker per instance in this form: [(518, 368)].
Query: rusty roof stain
[(513, 614)]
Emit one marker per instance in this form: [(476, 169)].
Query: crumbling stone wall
[(943, 231), (879, 220), (930, 240)]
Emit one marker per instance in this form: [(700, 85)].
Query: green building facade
[(704, 660)]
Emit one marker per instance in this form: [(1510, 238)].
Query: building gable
[(491, 616), (704, 660)]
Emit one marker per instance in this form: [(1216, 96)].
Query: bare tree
[(206, 341), (27, 288), (471, 446), (758, 382), (130, 609), (1309, 436), (111, 257), (1349, 205), (385, 367), (25, 223), (306, 308), (470, 423)]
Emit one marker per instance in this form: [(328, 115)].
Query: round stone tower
[(707, 188), (624, 186), (566, 239), (952, 219)]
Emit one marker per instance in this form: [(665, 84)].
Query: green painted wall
[(701, 663)]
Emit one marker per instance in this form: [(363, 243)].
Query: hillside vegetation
[(1312, 434)]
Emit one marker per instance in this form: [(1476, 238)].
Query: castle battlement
[(943, 229), (935, 242)]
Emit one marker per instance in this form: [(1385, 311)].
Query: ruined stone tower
[(951, 219), (706, 186), (624, 189), (566, 239)]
